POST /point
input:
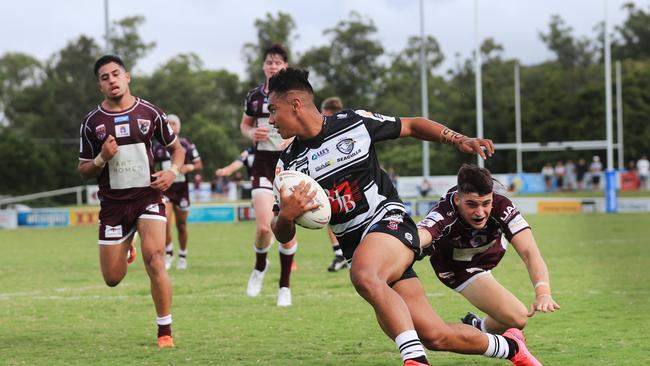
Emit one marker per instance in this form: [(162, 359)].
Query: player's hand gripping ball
[(315, 219)]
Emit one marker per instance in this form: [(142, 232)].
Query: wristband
[(99, 161), (174, 169), (541, 283), (542, 295)]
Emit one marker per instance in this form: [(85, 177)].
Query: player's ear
[(457, 199)]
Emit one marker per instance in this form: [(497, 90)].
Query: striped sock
[(500, 347), (409, 346)]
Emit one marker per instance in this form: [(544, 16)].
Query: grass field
[(55, 309)]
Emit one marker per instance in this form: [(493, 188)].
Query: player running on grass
[(465, 236), (268, 146), (368, 217), (116, 140), (177, 197)]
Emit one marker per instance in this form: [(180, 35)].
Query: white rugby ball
[(315, 219)]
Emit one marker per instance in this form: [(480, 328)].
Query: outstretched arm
[(525, 245), (229, 169), (428, 130)]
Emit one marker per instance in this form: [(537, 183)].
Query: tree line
[(42, 103)]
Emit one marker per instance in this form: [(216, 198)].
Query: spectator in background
[(424, 187), (595, 168), (570, 175), (643, 169), (548, 172), (559, 175), (581, 170), (328, 108)]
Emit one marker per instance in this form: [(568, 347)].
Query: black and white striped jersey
[(342, 159)]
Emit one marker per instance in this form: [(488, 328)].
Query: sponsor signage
[(555, 207), (44, 218), (84, 216), (212, 214), (8, 219)]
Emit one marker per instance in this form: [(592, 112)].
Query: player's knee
[(518, 320), (264, 230), (365, 282), (112, 280)]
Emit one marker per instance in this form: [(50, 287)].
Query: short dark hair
[(290, 79), (276, 49), (107, 59), (473, 179), (332, 104)]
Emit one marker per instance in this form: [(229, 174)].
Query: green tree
[(17, 72), (127, 43), (568, 50), (349, 66), (634, 34), (270, 30)]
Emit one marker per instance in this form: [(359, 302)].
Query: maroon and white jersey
[(127, 176), (257, 106), (457, 247), (162, 156)]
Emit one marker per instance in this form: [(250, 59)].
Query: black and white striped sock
[(409, 345)]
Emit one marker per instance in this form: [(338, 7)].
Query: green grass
[(55, 309)]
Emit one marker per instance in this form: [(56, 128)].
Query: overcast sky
[(216, 30)]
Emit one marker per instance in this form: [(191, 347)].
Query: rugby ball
[(315, 219)]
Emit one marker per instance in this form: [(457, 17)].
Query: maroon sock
[(285, 269), (260, 261), (165, 330)]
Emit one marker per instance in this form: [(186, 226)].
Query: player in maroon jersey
[(177, 197), (268, 145), (465, 236), (116, 140)]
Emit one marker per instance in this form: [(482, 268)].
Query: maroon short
[(263, 170), (456, 274), (117, 220), (179, 195)]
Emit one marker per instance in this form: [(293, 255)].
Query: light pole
[(610, 175), (424, 92), (479, 91)]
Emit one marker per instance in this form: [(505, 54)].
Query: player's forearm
[(177, 154), (283, 229), (428, 130), (89, 169)]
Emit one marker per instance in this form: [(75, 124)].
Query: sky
[(216, 30)]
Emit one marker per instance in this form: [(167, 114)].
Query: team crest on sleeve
[(100, 132), (144, 125)]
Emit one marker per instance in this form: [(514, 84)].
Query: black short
[(394, 223)]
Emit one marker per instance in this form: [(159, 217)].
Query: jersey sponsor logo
[(143, 125), (121, 119), (345, 146), (350, 156), (409, 237), (113, 231), (375, 116), (324, 165), (100, 132), (343, 197), (153, 208), (426, 223), (320, 153), (474, 270), (446, 275), (342, 115), (122, 131), (505, 214), (435, 216), (517, 223)]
